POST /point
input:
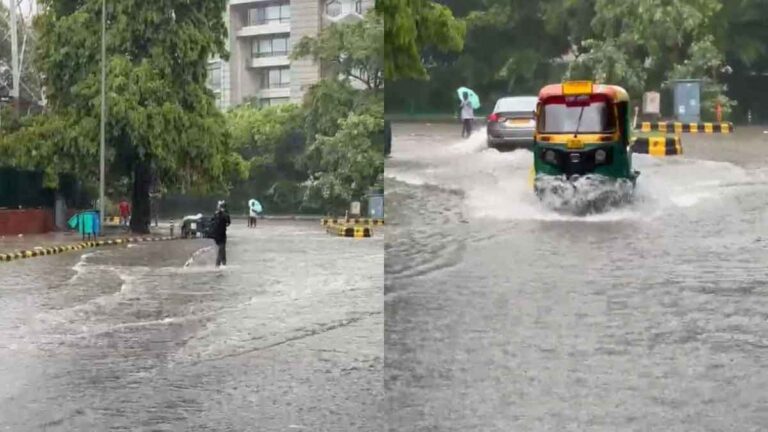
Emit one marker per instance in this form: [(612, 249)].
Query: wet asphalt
[(151, 337), (502, 315)]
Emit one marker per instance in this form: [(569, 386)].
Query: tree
[(272, 141), (346, 158), (637, 44), (411, 26), (31, 80), (511, 47), (352, 50), (162, 118)]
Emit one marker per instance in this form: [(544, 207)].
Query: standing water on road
[(505, 315), (152, 337)]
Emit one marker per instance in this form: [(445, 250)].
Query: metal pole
[(103, 107), (16, 88)]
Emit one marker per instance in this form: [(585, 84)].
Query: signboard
[(652, 103), (354, 208), (573, 88)]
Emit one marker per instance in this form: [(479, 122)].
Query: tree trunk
[(142, 181)]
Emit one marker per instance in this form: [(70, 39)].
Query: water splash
[(196, 255), (495, 185), (589, 194)]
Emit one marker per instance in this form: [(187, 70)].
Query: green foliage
[(159, 109), (410, 26), (353, 50), (637, 44), (338, 155), (270, 139), (517, 46), (346, 162)]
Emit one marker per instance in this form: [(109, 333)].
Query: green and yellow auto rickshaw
[(582, 133)]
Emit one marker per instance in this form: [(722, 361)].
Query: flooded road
[(151, 337), (504, 316)]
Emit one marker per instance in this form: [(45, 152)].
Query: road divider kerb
[(352, 221), (680, 127), (658, 145), (349, 231), (53, 250)]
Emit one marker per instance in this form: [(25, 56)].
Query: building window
[(333, 8), (271, 46), (276, 78), (214, 76), (271, 14), (359, 6)]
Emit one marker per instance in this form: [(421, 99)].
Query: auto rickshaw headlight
[(550, 157), (600, 156)]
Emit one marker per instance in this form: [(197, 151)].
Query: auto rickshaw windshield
[(559, 115)]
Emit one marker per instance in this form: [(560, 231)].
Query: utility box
[(376, 205), (687, 97)]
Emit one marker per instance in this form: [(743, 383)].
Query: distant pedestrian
[(125, 212), (221, 221), (467, 115), (252, 217), (154, 202), (254, 209)]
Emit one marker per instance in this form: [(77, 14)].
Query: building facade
[(261, 34)]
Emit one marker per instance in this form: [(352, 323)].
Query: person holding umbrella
[(254, 208), (467, 115), (469, 103)]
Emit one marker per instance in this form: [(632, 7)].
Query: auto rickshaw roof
[(613, 92)]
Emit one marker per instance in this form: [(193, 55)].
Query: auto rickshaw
[(582, 139)]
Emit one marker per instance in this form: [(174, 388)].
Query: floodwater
[(502, 315), (151, 337)]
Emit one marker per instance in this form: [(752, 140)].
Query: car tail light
[(493, 117)]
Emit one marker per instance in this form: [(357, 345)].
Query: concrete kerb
[(349, 231), (53, 250), (352, 221)]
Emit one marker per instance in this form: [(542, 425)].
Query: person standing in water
[(252, 216), (125, 212), (221, 221), (467, 115)]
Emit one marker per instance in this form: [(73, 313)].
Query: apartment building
[(261, 34)]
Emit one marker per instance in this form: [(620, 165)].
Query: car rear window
[(521, 104)]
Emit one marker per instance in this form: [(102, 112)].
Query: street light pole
[(103, 109)]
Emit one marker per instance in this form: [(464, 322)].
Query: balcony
[(246, 2), (264, 29), (270, 93), (264, 62)]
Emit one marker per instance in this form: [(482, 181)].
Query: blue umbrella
[(255, 206), (473, 98)]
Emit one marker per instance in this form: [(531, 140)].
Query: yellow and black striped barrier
[(112, 220), (658, 145), (679, 127), (53, 250), (349, 231), (353, 221)]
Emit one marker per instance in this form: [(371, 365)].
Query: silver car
[(512, 123)]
